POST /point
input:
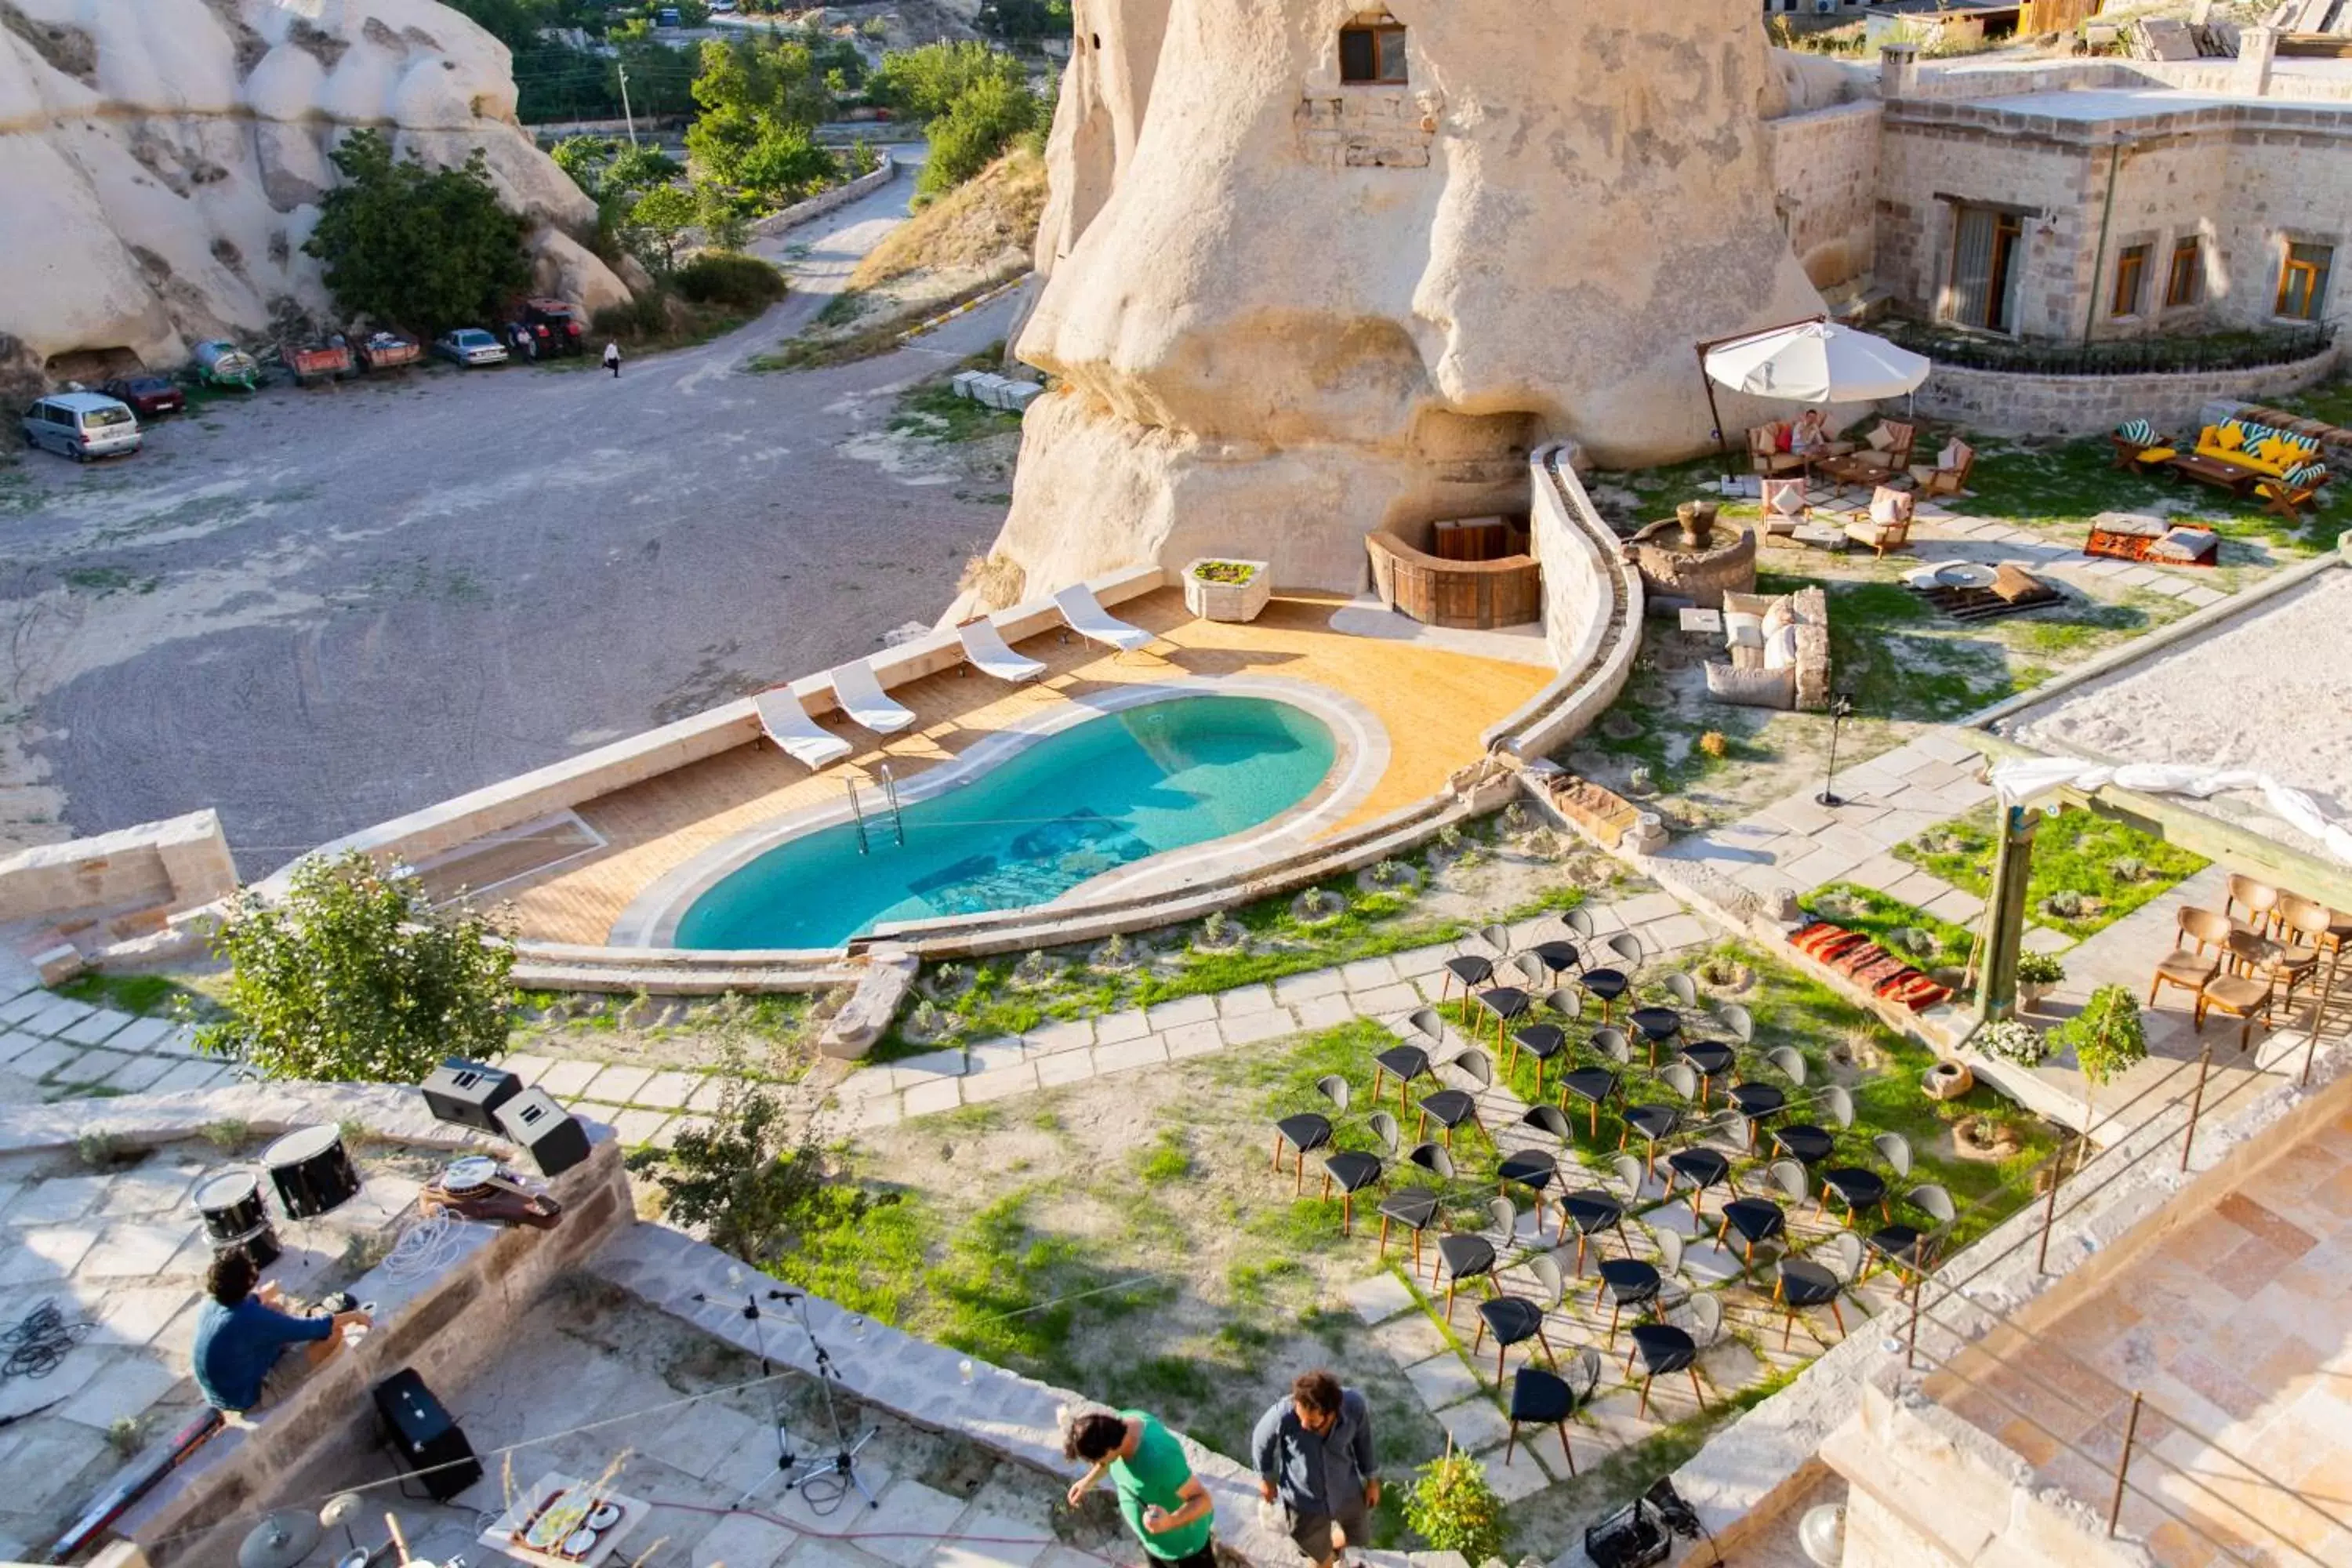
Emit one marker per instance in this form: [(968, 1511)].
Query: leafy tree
[(2106, 1034), (1453, 1508), (424, 248), (923, 83), (978, 125), (776, 78), (1026, 18), (746, 1179), (355, 977), (641, 169), (785, 164), (720, 217), (584, 158), (656, 223)]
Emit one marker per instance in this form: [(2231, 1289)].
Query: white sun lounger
[(863, 698), (988, 652), (1086, 617), (802, 737)]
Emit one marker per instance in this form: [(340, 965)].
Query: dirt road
[(318, 609)]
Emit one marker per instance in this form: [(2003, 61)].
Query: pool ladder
[(889, 800)]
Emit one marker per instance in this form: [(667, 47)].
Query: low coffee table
[(2223, 475), (1855, 470), (1820, 536)]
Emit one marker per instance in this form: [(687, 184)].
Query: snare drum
[(230, 1206), (311, 1171)]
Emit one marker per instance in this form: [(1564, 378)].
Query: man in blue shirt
[(1314, 1455), (242, 1338)]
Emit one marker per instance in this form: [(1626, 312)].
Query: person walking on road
[(612, 358), (1164, 1501), (1313, 1456)]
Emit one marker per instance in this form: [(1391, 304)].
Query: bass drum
[(230, 1206), (311, 1171)]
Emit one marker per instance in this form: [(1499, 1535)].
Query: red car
[(148, 396)]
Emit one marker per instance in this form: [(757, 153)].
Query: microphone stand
[(825, 1481), (786, 1458)]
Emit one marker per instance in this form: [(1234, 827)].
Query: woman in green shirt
[(1164, 1501)]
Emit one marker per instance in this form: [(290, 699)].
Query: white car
[(471, 346)]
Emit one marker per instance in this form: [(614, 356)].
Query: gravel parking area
[(315, 610)]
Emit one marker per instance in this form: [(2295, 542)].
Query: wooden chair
[(2297, 489), (1887, 524), (1764, 453), (1943, 479), (2242, 990), (1787, 503), (2262, 901), (1894, 457), (2196, 958)]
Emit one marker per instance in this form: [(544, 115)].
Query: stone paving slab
[(96, 1028), (1474, 1425), (1379, 1297), (668, 1090)]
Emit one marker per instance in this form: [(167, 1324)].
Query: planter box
[(1228, 601)]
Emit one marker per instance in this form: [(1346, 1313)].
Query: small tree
[(723, 224), (1453, 1508), (427, 249), (748, 1178), (356, 977), (2107, 1036), (656, 223), (978, 125)]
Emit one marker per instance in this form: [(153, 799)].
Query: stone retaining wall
[(816, 206), (175, 864), (2008, 403), (1592, 611)]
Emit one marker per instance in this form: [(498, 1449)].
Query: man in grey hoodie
[(1313, 1456)]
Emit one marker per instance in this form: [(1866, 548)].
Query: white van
[(83, 425)]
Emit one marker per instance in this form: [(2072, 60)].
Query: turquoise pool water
[(1096, 796)]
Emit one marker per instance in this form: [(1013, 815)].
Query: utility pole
[(632, 119)]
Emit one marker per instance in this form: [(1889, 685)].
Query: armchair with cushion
[(2138, 445), (1786, 504), (2292, 491), (1769, 450), (1780, 651), (1948, 475), (1884, 452), (1887, 524)]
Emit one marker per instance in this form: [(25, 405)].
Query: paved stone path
[(69, 1047)]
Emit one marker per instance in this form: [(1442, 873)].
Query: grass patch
[(2089, 871), (145, 996), (2063, 485), (1902, 929), (1888, 657), (102, 582), (848, 337), (932, 411)]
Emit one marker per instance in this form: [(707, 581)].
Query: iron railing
[(2251, 349)]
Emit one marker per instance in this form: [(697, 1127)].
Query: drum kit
[(312, 1174)]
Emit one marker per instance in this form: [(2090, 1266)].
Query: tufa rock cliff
[(1286, 311), (160, 164)]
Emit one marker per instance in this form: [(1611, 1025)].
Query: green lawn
[(2330, 403), (1896, 659), (2112, 868), (1899, 927), (2062, 485)]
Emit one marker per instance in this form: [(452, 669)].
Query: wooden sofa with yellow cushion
[(2273, 453)]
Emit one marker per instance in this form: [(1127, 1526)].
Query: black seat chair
[(1757, 1102), (1683, 989), (1809, 1282), (1664, 1348), (1557, 958), (1453, 1108), (1309, 1130), (1352, 1170), (1512, 995), (1697, 1170), (1755, 1219), (1578, 923), (1463, 1255), (1804, 1142), (1592, 1211), (1515, 1320), (1597, 1085), (1855, 1189), (1544, 1398), (1650, 1123), (1906, 1248), (1416, 1208), (1474, 969), (1532, 1168), (1625, 1282), (1409, 1058), (1541, 1041), (1657, 1026), (1711, 1059), (1606, 987)]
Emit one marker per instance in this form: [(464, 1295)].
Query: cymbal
[(282, 1541)]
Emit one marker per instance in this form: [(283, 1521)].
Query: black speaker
[(427, 1441), (469, 1094), (552, 1134), (1633, 1537)]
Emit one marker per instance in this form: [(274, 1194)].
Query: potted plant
[(2011, 1040), (1217, 590), (2036, 974)]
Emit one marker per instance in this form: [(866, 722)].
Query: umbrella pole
[(1722, 437)]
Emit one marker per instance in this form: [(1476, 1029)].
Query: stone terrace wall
[(816, 206), (173, 864), (1825, 173), (2003, 403)]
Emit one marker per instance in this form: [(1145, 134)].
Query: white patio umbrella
[(1816, 362)]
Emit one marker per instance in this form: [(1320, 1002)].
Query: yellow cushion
[(2157, 453), (2229, 438)]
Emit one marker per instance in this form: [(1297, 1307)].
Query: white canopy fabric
[(2024, 780), (1817, 362)]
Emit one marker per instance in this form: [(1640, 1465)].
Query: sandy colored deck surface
[(1433, 702)]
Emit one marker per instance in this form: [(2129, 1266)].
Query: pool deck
[(1434, 701)]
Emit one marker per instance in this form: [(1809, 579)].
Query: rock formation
[(1284, 312), (160, 164)]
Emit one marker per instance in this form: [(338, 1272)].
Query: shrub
[(1453, 1509), (745, 1177), (978, 125), (730, 278), (2106, 1034), (427, 249), (356, 977), (2039, 969), (2011, 1040)]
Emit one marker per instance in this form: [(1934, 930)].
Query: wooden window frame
[(1377, 32), (2129, 295), (2314, 277), (2184, 282)]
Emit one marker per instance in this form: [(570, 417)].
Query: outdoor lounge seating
[(2242, 457), (1780, 651), (1787, 503), (1543, 1398), (788, 724), (1886, 525), (2298, 488), (863, 698), (1948, 474), (1883, 453), (1085, 616), (2138, 446), (985, 649)]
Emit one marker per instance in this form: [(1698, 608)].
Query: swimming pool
[(1101, 795)]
